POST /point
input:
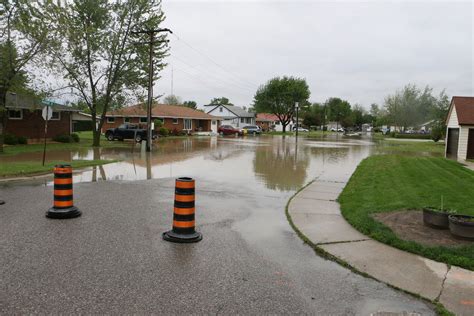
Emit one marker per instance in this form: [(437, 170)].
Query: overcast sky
[(359, 51)]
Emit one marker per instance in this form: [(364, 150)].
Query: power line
[(216, 77), (251, 84)]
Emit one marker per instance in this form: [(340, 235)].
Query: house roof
[(15, 101), (238, 111), (464, 109), (267, 117), (162, 110)]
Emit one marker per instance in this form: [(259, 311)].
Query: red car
[(229, 130)]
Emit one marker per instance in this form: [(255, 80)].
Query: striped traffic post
[(63, 206), (183, 215)]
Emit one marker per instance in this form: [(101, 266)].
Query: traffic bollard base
[(180, 238), (63, 213)]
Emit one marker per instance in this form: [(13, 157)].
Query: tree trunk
[(96, 138), (284, 126), (3, 118)]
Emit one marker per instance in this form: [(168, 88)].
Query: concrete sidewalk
[(315, 212)]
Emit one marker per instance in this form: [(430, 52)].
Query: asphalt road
[(113, 259)]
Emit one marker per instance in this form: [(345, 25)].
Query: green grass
[(387, 183), (85, 142), (410, 146), (25, 168)]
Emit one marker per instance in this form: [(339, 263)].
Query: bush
[(22, 140), (437, 133), (63, 139), (10, 139), (158, 124), (163, 131), (75, 137)]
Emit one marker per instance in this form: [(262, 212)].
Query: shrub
[(158, 124), (75, 137), (412, 136), (163, 131), (63, 139), (437, 133), (10, 139), (22, 140)]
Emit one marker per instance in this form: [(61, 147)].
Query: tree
[(94, 48), (190, 104), (313, 115), (221, 101), (279, 95), (412, 106), (339, 111), (358, 115), (172, 100), (21, 42)]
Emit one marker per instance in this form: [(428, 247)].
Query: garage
[(460, 129)]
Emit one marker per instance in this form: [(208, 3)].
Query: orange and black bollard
[(63, 206), (183, 216)]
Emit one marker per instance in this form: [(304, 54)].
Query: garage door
[(470, 145), (453, 139)]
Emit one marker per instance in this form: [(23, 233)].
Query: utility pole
[(151, 43), (296, 107)]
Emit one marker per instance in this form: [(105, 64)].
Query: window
[(143, 119), (220, 109), (213, 122), (126, 120), (15, 114), (110, 119), (55, 116), (188, 124), (242, 120), (249, 120), (175, 121)]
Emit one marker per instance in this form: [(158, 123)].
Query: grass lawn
[(15, 169), (85, 142), (387, 183), (403, 145)]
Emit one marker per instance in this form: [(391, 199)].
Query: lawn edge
[(439, 308)]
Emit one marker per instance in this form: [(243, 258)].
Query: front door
[(452, 145), (188, 124), (470, 144)]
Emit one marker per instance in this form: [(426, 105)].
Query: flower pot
[(462, 226), (435, 218)]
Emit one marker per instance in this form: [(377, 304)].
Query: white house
[(231, 115), (460, 129)]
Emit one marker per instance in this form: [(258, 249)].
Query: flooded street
[(250, 260)]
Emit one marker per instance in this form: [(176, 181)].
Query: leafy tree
[(279, 95), (221, 101), (412, 106), (172, 100), (358, 113), (21, 42), (339, 111), (94, 48), (313, 115), (190, 104)]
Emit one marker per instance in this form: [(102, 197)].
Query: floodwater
[(272, 162), (243, 185)]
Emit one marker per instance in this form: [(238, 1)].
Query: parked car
[(252, 129), (300, 129), (128, 131), (340, 129), (230, 130)]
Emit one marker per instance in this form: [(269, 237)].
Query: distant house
[(173, 117), (273, 122), (460, 129), (24, 118), (231, 115)]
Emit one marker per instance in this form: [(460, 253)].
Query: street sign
[(47, 113)]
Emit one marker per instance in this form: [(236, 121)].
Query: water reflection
[(280, 166)]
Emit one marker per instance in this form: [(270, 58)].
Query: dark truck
[(127, 131)]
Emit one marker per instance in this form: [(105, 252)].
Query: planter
[(462, 226), (435, 218)]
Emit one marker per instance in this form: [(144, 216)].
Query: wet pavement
[(112, 259)]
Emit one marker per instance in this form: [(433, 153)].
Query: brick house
[(24, 118), (173, 117)]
